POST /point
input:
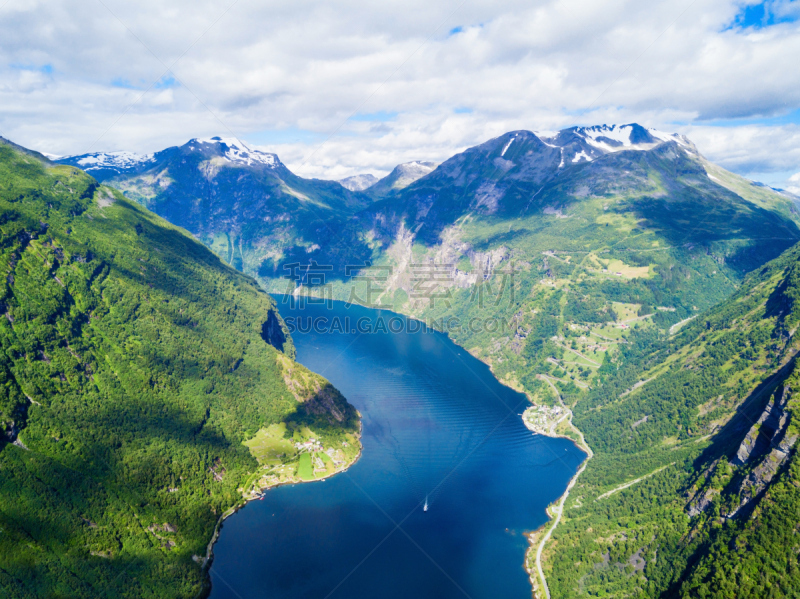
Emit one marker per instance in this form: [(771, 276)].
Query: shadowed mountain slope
[(245, 205), (134, 366)]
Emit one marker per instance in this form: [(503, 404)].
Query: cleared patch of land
[(290, 454), (270, 445)]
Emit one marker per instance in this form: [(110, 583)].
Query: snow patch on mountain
[(508, 145), (237, 152), (616, 138), (605, 135), (676, 137), (583, 155), (110, 160)]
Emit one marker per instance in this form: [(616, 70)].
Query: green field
[(270, 446), (304, 468)]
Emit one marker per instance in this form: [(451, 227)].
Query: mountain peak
[(359, 182), (403, 175), (105, 165), (108, 162), (235, 151), (614, 138), (414, 169), (584, 144)]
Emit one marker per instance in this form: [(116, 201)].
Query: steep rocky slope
[(709, 440), (583, 264), (245, 205)]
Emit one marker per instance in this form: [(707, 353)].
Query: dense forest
[(708, 440), (637, 289), (133, 367)]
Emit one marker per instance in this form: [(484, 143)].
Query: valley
[(640, 297), (419, 300), (437, 505), (569, 264), (136, 367)]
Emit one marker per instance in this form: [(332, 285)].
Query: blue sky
[(765, 14)]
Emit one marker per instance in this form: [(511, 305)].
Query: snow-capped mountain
[(259, 216), (117, 162), (584, 144), (236, 151), (104, 165), (221, 189), (613, 138)]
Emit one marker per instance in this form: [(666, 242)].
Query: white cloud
[(764, 153), (750, 148), (263, 68), (783, 9), (794, 184)]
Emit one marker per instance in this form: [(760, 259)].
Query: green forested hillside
[(634, 284), (134, 366), (712, 435), (758, 556)]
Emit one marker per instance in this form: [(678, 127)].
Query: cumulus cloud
[(794, 184), (338, 88), (750, 148)]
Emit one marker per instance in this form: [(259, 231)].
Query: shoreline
[(555, 511), (209, 557), (535, 572), (556, 508)]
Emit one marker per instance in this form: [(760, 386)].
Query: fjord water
[(437, 425)]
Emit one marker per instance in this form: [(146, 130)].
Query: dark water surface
[(437, 424)]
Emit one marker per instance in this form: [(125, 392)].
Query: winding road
[(633, 482), (559, 509)]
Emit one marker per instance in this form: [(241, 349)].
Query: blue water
[(437, 424)]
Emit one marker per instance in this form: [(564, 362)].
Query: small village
[(303, 458), (544, 419), (314, 447)]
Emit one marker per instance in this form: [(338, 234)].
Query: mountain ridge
[(605, 138), (135, 367), (590, 247)]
